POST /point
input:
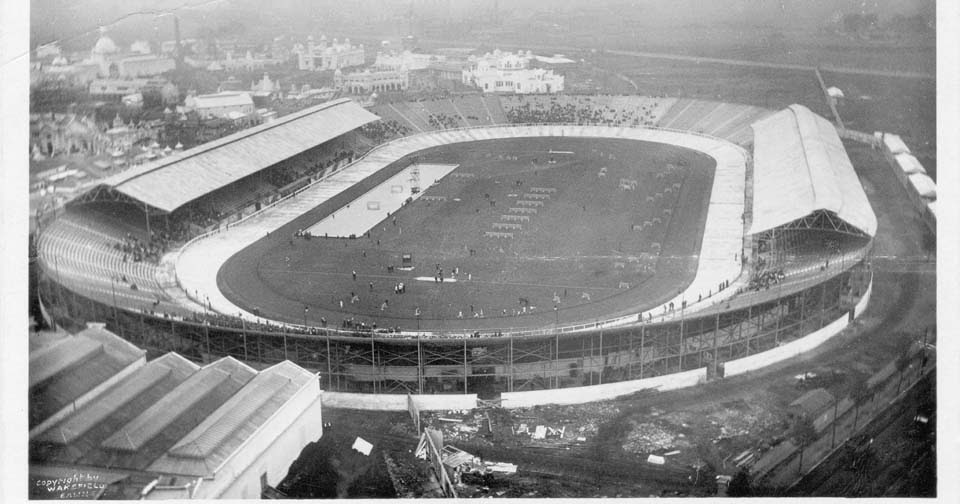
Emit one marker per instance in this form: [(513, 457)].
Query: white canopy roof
[(909, 164), (175, 180), (924, 185), (800, 166)]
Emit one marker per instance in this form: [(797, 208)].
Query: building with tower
[(505, 72), (372, 79), (139, 62), (328, 56)]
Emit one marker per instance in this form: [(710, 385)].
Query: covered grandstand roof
[(168, 183), (801, 167)]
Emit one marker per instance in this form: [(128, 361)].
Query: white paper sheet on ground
[(362, 446)]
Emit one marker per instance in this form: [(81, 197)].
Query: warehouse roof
[(221, 433), (68, 369), (800, 167), (173, 181)]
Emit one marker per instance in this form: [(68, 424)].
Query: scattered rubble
[(649, 437)]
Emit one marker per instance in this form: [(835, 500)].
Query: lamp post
[(305, 310), (556, 312), (113, 291)]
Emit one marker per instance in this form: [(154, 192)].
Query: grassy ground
[(907, 107), (763, 87), (580, 241)]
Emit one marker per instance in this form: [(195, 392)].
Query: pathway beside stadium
[(721, 244)]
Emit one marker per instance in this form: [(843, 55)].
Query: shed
[(924, 185), (909, 164), (894, 143)]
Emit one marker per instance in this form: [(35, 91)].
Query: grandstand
[(807, 236), (164, 429)]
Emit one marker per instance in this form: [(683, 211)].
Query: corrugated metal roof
[(800, 166), (42, 339), (215, 429), (171, 182), (224, 99), (59, 357), (215, 439), (65, 371), (107, 404), (143, 428)]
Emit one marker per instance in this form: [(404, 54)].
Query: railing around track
[(572, 328)]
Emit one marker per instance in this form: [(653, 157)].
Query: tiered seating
[(441, 114), (239, 194), (625, 111), (692, 114), (79, 249), (740, 132), (494, 109), (715, 117), (473, 109), (410, 112), (390, 112)]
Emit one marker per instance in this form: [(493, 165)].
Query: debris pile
[(734, 422), (460, 425), (648, 437)]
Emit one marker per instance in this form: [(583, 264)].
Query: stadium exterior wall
[(795, 348), (590, 393), (398, 402), (489, 366)]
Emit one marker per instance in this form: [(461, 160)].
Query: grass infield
[(617, 228)]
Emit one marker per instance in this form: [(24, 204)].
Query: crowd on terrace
[(765, 279), (578, 113), (381, 131), (443, 121), (136, 250), (286, 174)]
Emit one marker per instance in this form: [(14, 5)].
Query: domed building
[(113, 62)]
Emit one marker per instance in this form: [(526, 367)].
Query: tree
[(859, 393), (803, 433), (902, 361), (740, 485)]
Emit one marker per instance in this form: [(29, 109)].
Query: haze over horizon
[(75, 22)]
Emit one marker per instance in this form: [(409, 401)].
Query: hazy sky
[(77, 20)]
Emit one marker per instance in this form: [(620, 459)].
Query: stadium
[(521, 248)]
